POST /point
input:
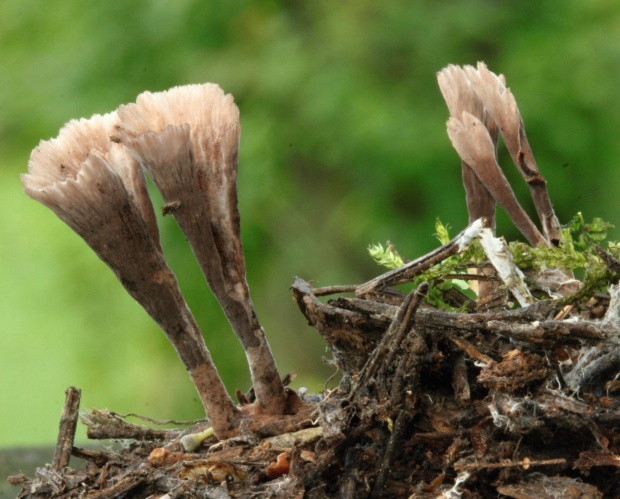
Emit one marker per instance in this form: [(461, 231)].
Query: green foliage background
[(343, 144)]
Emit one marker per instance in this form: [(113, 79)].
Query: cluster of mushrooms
[(187, 140)]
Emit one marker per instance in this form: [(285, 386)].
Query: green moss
[(576, 252)]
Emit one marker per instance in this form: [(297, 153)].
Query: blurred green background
[(343, 145)]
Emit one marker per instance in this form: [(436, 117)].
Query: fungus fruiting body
[(187, 140)]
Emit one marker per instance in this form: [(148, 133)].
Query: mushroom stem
[(472, 141), (192, 156), (460, 96), (502, 108), (94, 192)]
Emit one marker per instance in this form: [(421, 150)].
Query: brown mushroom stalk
[(97, 188), (502, 108), (473, 143), (460, 96), (187, 139)]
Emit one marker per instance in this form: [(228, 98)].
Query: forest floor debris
[(432, 403)]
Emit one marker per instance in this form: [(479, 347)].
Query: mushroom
[(480, 105), (473, 143), (187, 140), (460, 97), (473, 133), (98, 189), (502, 108)]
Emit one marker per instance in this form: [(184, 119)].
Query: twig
[(391, 340), (332, 290), (524, 463), (158, 422), (406, 272), (96, 456), (612, 264), (124, 485), (104, 425), (395, 440), (469, 349), (68, 424), (551, 332), (460, 383)]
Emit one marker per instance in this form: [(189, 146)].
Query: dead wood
[(510, 401), (66, 432)]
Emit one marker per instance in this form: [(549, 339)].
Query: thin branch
[(66, 433), (385, 351), (393, 443), (406, 272), (332, 290)]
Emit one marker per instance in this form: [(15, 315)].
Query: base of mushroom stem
[(252, 420)]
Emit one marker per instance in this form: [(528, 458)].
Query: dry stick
[(103, 425), (125, 484), (510, 323), (332, 290), (385, 313), (536, 330), (409, 365), (502, 107), (68, 424), (407, 320), (612, 264), (474, 145), (551, 332), (96, 456), (525, 463), (469, 349), (395, 440), (192, 158), (406, 272), (460, 383), (392, 338)]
